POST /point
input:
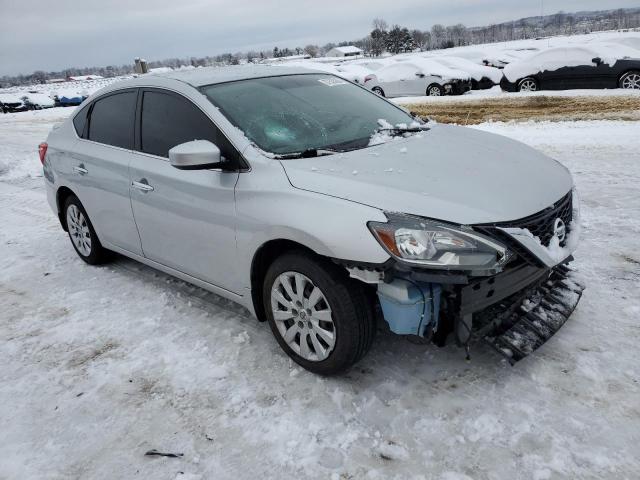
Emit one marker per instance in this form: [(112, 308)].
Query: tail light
[(368, 78), (42, 151)]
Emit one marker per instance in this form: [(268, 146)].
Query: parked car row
[(34, 100), (614, 64)]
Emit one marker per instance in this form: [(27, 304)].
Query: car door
[(582, 72), (99, 167), (413, 82), (400, 80), (186, 218), (553, 70)]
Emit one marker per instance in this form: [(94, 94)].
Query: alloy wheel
[(435, 91), (528, 85), (631, 81), (79, 230), (303, 316)]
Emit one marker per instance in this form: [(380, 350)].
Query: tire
[(378, 90), (528, 84), (342, 313), (630, 80), (435, 90), (81, 233)]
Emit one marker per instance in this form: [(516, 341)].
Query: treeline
[(384, 38)]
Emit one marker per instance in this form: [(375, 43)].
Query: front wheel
[(528, 84), (378, 90), (630, 80), (83, 237), (320, 317), (435, 90)]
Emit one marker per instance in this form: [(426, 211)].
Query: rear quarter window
[(112, 120), (80, 121)]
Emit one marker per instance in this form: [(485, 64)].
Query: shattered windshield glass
[(305, 114)]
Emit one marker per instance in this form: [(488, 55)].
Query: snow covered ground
[(101, 365)]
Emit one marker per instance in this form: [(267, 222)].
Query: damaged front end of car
[(507, 284)]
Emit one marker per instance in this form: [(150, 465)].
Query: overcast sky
[(54, 34)]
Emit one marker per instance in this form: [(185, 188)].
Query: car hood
[(455, 174)]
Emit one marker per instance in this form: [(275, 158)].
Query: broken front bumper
[(515, 311), (524, 321)]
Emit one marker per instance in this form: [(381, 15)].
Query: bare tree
[(378, 36), (380, 24), (312, 50), (438, 35)]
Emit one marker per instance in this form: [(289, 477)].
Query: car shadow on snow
[(390, 356)]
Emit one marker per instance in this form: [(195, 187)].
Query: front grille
[(541, 224)]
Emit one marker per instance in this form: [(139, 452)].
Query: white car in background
[(418, 77), (352, 72), (374, 64), (482, 77)]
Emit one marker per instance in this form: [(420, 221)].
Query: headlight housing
[(436, 244)]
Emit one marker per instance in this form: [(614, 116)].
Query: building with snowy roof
[(348, 51)]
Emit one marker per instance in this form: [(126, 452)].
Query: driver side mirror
[(197, 155), (597, 60), (420, 75)]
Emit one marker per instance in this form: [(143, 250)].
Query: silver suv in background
[(322, 208)]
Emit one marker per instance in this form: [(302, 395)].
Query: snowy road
[(103, 364)]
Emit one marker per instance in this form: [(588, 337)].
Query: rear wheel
[(83, 237), (630, 80), (435, 90), (528, 84), (320, 317), (378, 90)]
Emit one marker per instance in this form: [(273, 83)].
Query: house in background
[(348, 51)]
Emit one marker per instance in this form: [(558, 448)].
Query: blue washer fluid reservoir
[(410, 307)]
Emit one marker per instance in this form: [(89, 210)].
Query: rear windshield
[(295, 113)]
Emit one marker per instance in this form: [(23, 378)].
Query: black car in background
[(565, 68), (10, 103)]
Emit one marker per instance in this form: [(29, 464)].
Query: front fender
[(270, 208)]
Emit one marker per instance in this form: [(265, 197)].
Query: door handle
[(142, 185), (80, 170)]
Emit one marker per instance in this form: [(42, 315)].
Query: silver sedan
[(316, 204)]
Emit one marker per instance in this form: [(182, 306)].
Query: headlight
[(438, 245)]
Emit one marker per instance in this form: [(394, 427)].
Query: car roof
[(198, 77)]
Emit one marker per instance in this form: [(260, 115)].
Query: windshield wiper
[(401, 130), (308, 153)]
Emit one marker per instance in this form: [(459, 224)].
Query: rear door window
[(168, 120), (112, 120)]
